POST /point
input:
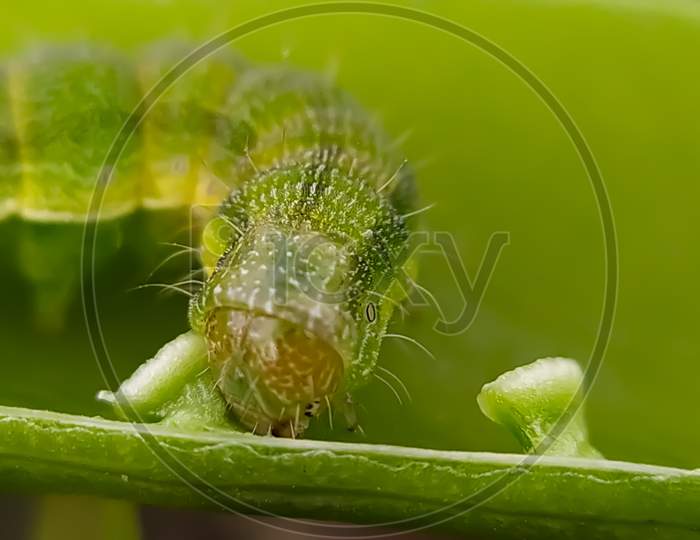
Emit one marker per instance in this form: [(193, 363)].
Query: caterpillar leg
[(348, 408), (160, 380), (49, 257)]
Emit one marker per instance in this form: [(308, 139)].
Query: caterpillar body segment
[(180, 130), (68, 102), (281, 117), (61, 108), (303, 227)]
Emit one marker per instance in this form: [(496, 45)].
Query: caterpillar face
[(278, 352), (284, 311), (310, 195), (274, 373)]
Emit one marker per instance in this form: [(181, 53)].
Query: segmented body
[(306, 199)]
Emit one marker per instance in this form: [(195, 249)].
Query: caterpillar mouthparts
[(275, 374)]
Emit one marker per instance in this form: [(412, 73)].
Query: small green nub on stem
[(542, 405), (161, 379)]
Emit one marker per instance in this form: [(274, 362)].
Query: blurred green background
[(492, 158)]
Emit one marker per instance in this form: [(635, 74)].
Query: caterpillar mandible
[(305, 247)]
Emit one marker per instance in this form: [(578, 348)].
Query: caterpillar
[(305, 221)]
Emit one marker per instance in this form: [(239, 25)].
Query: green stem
[(359, 483)]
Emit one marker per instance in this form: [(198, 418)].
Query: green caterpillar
[(303, 202)]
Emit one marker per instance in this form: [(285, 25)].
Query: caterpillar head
[(279, 333), (294, 257)]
